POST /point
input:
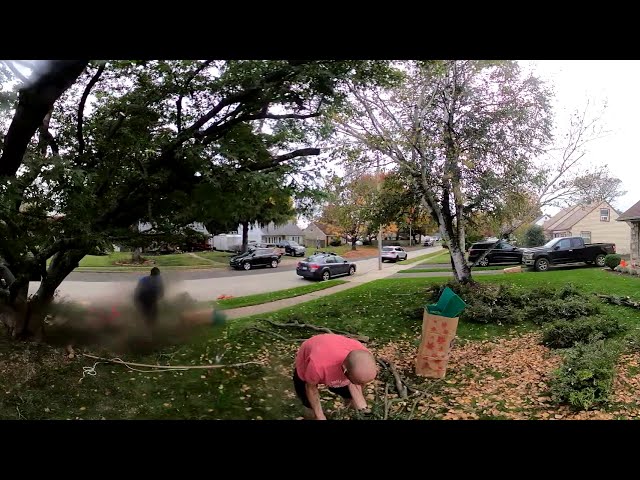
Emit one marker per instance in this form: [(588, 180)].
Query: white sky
[(617, 82)]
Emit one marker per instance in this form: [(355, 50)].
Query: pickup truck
[(566, 250)]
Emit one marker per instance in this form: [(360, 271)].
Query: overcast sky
[(617, 82)]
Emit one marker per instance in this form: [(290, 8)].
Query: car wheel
[(274, 264), (246, 266), (484, 262), (352, 271), (397, 258), (326, 275), (542, 265), (600, 260)]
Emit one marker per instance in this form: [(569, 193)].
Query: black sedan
[(502, 253), (323, 266), (257, 257)]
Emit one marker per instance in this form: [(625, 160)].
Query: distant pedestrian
[(148, 293)]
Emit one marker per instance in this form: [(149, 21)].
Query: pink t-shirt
[(319, 359)]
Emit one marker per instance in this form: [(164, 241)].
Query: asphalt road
[(199, 284)]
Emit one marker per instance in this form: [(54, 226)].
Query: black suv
[(257, 257), (502, 253), (292, 248)]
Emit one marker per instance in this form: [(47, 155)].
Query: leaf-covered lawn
[(495, 371)]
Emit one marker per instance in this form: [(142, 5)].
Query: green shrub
[(564, 334), (612, 260), (555, 308), (585, 379), (335, 243), (505, 305), (534, 236)]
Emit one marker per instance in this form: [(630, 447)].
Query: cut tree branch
[(391, 367)]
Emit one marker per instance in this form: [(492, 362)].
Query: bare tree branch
[(15, 71), (83, 101), (34, 102)]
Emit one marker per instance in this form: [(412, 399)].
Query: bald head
[(360, 367)]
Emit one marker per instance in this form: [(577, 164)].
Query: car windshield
[(387, 249), (315, 258), (294, 244), (551, 243)]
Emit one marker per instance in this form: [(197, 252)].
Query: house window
[(604, 214), (586, 236)]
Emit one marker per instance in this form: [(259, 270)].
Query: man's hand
[(357, 397)]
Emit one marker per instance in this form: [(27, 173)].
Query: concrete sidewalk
[(356, 281)]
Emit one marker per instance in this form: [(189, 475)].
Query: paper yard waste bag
[(436, 341)]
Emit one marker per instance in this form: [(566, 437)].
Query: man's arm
[(314, 400)]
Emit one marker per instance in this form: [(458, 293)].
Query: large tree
[(464, 131), (126, 141), (349, 205)]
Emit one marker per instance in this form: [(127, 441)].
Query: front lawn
[(111, 260), (267, 297), (495, 371)]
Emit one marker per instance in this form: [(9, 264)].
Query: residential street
[(200, 284)]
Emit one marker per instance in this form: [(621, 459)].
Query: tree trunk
[(245, 236), (354, 239), (136, 255), (29, 313)]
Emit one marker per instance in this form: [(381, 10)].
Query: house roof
[(328, 230), (632, 214), (568, 217), (288, 229)]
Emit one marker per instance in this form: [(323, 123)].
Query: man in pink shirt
[(341, 363)]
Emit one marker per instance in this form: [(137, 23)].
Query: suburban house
[(272, 234), (594, 222), (319, 235), (632, 218), (540, 221)]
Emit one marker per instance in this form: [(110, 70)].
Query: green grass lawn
[(274, 296), (222, 257), (442, 257), (342, 249), (426, 256), (174, 260), (39, 383), (436, 269)]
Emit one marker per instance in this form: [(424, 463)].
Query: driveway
[(119, 286)]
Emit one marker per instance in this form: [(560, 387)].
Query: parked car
[(255, 257), (323, 266), (197, 247), (394, 253), (429, 242), (503, 253), (566, 250), (292, 248)]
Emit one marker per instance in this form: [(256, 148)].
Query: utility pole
[(380, 227)]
